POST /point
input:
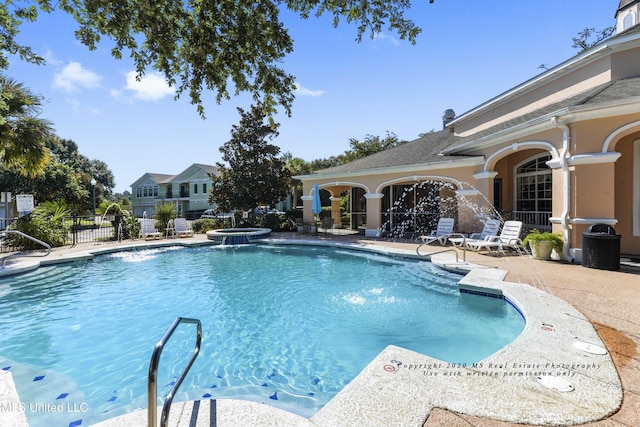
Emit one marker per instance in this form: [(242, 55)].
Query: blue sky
[(469, 51)]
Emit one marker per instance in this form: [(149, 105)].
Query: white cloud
[(303, 91), (50, 58), (151, 87), (73, 77), (383, 37)]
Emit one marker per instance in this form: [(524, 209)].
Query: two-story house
[(188, 191)]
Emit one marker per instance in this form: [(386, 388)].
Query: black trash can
[(601, 248)]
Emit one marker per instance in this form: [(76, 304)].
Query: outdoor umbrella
[(316, 205)]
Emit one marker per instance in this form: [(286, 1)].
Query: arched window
[(534, 191), (629, 20)]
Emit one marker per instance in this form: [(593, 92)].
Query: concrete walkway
[(609, 300)]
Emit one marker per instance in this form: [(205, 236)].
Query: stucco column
[(374, 214), (307, 213), (335, 210), (593, 197)]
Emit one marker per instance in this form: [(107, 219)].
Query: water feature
[(238, 236), (116, 223)]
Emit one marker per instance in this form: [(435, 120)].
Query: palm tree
[(23, 135)]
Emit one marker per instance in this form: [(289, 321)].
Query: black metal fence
[(82, 230)]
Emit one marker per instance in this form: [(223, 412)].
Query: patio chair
[(444, 228), (148, 229), (181, 228), (509, 238), (327, 224), (491, 228)]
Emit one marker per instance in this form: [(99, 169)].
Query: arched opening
[(413, 209), (533, 187)]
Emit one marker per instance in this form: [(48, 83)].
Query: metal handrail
[(152, 385), (26, 236), (446, 236)]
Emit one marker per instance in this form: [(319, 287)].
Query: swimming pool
[(285, 325)]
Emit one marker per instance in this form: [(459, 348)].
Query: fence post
[(74, 228)]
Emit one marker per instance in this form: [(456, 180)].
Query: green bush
[(165, 212), (46, 223), (535, 236), (203, 225)]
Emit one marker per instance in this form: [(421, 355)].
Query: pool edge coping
[(341, 407)]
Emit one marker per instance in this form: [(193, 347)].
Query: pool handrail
[(443, 238), (26, 236), (152, 385)]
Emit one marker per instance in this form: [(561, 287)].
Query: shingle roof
[(420, 151), (429, 149)]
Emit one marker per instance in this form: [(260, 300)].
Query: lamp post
[(93, 183)]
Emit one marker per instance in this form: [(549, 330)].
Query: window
[(534, 185), (204, 188), (139, 192), (629, 20), (195, 188), (497, 194)]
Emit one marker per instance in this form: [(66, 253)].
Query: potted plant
[(542, 243)]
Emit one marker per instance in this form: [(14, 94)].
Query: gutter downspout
[(564, 219)]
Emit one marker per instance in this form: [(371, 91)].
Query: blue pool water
[(285, 325)]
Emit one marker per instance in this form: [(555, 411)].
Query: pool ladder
[(441, 239), (26, 236), (152, 385)]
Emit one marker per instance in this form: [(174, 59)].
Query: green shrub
[(46, 223), (203, 225), (535, 236), (165, 212)]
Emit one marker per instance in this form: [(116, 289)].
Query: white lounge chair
[(491, 228), (444, 228), (509, 238), (148, 229), (181, 228)]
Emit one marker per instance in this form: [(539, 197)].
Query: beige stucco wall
[(529, 100)]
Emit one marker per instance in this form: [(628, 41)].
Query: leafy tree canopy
[(203, 44), (370, 145), (254, 174), (23, 134)]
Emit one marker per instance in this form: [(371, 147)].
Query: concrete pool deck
[(401, 387)]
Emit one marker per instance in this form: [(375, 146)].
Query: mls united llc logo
[(43, 407)]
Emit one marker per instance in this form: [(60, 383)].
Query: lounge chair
[(509, 238), (181, 228), (491, 228), (444, 228), (148, 229)]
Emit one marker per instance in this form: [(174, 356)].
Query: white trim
[(615, 133), (338, 184), (593, 158), (418, 178), (485, 175), (373, 196), (581, 60), (516, 174), (591, 221), (412, 168), (544, 145), (636, 188)]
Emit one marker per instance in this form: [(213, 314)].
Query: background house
[(188, 191)]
